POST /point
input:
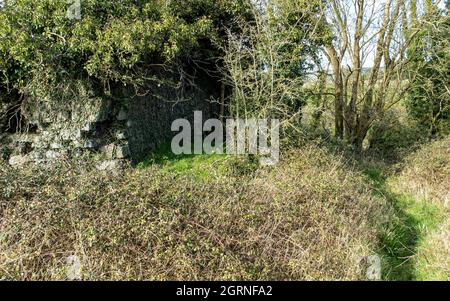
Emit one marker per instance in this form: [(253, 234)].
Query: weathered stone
[(110, 165), (91, 144), (52, 155), (91, 122), (109, 151), (122, 115), (18, 160), (89, 127), (66, 135), (121, 135), (122, 152), (102, 111)]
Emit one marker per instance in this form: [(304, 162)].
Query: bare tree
[(369, 60), (260, 56)]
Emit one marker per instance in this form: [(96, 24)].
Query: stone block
[(122, 115), (109, 150), (121, 135), (67, 135), (102, 112), (123, 151), (18, 160), (52, 155), (91, 144)]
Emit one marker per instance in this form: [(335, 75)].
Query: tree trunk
[(350, 113), (320, 100), (338, 92), (222, 102)]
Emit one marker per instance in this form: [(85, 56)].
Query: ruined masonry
[(123, 127)]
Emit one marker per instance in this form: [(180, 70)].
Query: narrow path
[(411, 221)]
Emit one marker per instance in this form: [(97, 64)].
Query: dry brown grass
[(426, 173), (311, 217)]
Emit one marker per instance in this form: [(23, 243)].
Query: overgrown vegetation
[(316, 215), (44, 53), (429, 97), (414, 243), (295, 221), (361, 91)]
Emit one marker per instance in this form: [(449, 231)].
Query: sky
[(369, 50)]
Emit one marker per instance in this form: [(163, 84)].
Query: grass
[(414, 241), (201, 166), (311, 217), (409, 224), (315, 216), (424, 194)]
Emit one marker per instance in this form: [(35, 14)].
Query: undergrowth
[(316, 215), (311, 217)]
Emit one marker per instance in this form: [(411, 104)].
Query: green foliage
[(267, 60), (311, 217), (429, 96), (421, 228), (395, 133), (298, 24), (412, 240), (202, 166), (123, 41)]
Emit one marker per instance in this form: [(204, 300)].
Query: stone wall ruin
[(121, 127)]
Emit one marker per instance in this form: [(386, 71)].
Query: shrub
[(124, 41), (395, 133), (427, 171), (429, 97), (311, 217)]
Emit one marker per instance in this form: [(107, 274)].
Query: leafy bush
[(394, 133), (122, 41), (429, 96)]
